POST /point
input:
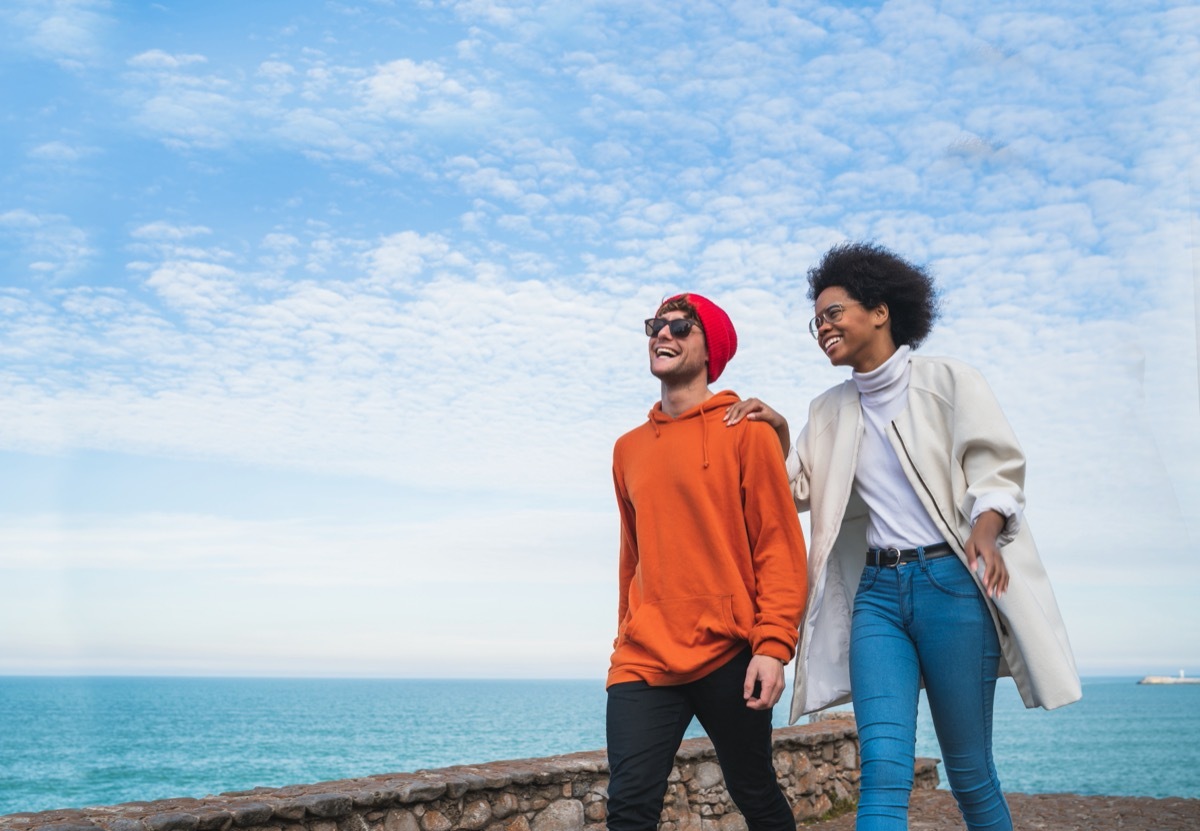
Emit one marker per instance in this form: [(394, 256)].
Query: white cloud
[(168, 231), (71, 32), (20, 218), (158, 59), (323, 136), (195, 286), (403, 258), (61, 151), (277, 79), (190, 117), (395, 87), (49, 245)]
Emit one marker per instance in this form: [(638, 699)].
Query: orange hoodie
[(712, 555)]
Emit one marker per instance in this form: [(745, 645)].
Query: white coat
[(955, 446)]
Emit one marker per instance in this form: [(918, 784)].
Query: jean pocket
[(867, 581), (951, 577)]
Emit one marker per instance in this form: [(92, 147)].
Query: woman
[(912, 462)]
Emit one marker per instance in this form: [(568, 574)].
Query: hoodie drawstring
[(656, 414)]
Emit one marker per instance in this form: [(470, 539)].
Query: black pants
[(646, 725)]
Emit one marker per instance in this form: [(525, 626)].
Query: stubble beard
[(682, 376)]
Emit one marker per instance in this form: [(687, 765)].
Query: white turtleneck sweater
[(897, 517)]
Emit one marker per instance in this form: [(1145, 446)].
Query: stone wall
[(817, 765)]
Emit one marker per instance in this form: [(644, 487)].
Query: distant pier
[(1169, 679)]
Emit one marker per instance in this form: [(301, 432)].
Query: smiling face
[(677, 361), (859, 337)]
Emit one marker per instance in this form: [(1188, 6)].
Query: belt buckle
[(889, 553)]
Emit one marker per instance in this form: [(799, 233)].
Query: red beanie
[(718, 332)]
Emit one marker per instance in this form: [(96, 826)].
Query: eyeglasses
[(680, 328), (832, 314)]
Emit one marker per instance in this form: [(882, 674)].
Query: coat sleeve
[(988, 453), (776, 546), (798, 471), (803, 455)]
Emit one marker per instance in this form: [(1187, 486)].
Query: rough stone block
[(369, 798), (353, 822), (524, 776), (847, 755), (173, 821), (250, 813), (732, 822), (491, 776), (461, 783), (841, 793), (435, 821), (476, 815), (400, 820), (209, 819), (124, 824), (326, 805), (708, 775), (564, 815), (420, 790), (288, 812), (504, 805)]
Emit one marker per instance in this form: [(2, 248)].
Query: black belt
[(892, 557)]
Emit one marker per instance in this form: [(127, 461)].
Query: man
[(712, 581)]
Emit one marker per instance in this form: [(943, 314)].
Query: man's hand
[(981, 545), (766, 673)]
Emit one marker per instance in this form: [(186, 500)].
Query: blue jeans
[(927, 620)]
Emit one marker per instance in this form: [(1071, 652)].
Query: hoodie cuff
[(774, 648)]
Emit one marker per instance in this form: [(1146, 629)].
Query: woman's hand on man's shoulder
[(752, 409)]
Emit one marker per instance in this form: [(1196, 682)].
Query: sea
[(75, 742)]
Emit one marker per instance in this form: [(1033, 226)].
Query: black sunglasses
[(679, 328)]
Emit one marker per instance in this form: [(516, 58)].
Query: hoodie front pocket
[(683, 632)]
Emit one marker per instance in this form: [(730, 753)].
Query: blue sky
[(318, 320)]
